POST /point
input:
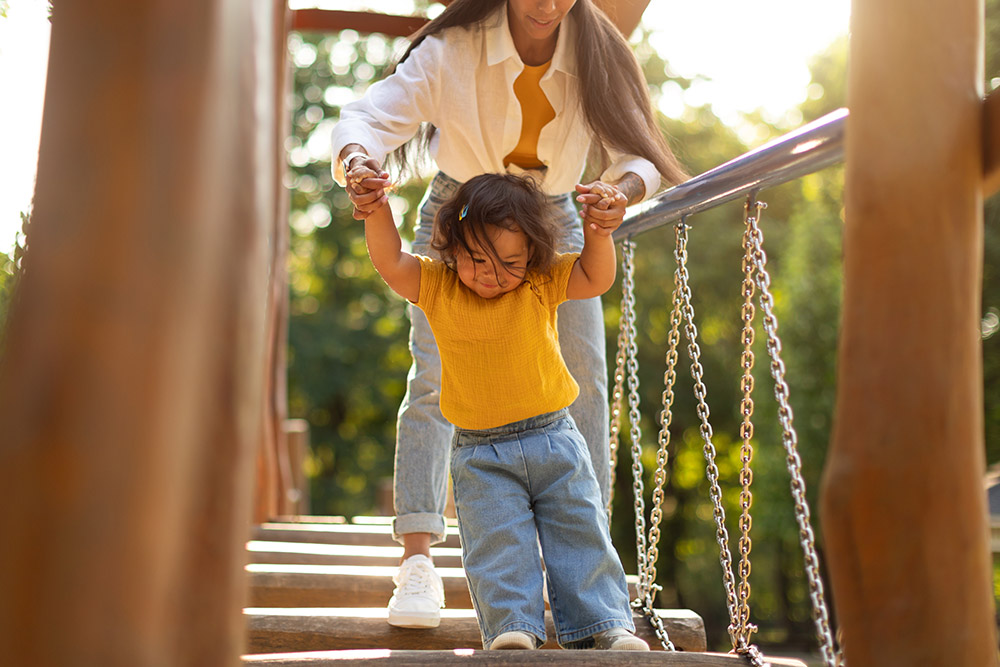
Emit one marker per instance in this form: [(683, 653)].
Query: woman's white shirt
[(461, 80)]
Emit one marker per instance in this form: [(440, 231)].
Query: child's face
[(477, 270)]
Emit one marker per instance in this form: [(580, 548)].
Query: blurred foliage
[(12, 267)]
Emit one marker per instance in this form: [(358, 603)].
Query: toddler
[(521, 471)]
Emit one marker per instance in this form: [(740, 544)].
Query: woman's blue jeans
[(423, 436), (527, 484)]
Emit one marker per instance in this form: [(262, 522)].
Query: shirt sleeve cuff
[(345, 133), (642, 168)]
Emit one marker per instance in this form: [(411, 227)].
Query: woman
[(505, 85)]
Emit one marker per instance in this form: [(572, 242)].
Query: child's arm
[(594, 273), (400, 270)]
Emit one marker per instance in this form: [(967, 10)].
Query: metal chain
[(647, 586), (616, 413), (745, 629), (789, 439), (663, 438), (712, 471)]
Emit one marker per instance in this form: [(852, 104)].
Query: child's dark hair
[(500, 200)]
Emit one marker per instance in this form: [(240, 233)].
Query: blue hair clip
[(464, 212)]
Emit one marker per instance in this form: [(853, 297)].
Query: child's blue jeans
[(521, 485)]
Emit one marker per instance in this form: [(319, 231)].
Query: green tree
[(12, 267), (348, 353)]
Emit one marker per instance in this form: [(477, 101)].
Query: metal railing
[(810, 148)]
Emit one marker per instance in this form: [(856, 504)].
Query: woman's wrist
[(632, 186)]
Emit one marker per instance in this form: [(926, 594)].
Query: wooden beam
[(625, 14), (278, 630), (904, 513), (368, 585), (291, 553), (513, 658), (131, 388), (991, 143), (273, 585), (329, 20), (338, 534)]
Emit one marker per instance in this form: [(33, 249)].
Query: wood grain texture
[(374, 535), (282, 630), (310, 585), (904, 512), (569, 658), (991, 143), (133, 383), (290, 553)]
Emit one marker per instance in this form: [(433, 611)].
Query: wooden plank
[(330, 20), (467, 656), (302, 585), (904, 511), (340, 586), (279, 630), (991, 143), (305, 553), (337, 534)]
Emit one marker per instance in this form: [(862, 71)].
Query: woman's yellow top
[(500, 358), (536, 112)]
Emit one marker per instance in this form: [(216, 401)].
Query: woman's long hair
[(610, 81)]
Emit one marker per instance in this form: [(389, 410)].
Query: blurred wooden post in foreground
[(133, 385), (625, 14), (904, 511)]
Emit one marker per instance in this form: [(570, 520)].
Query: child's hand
[(366, 188), (603, 207)]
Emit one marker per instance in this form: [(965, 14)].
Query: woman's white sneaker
[(419, 595)]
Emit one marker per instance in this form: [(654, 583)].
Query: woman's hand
[(366, 183), (603, 206)]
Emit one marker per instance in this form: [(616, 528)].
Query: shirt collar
[(500, 45)]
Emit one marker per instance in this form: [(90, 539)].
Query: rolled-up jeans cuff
[(419, 522)]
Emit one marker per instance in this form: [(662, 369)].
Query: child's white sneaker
[(619, 639), (515, 639), (419, 595)]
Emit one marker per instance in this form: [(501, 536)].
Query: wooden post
[(132, 384), (904, 511), (274, 487), (625, 14)]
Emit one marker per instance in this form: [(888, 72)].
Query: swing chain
[(789, 439), (647, 579), (663, 438), (740, 643), (616, 415), (744, 628)]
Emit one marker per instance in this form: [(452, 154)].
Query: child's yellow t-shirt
[(536, 112), (500, 358)]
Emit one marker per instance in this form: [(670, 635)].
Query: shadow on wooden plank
[(466, 656), (324, 629)]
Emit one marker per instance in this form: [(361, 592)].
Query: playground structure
[(142, 392)]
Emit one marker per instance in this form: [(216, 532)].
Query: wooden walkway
[(318, 592)]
